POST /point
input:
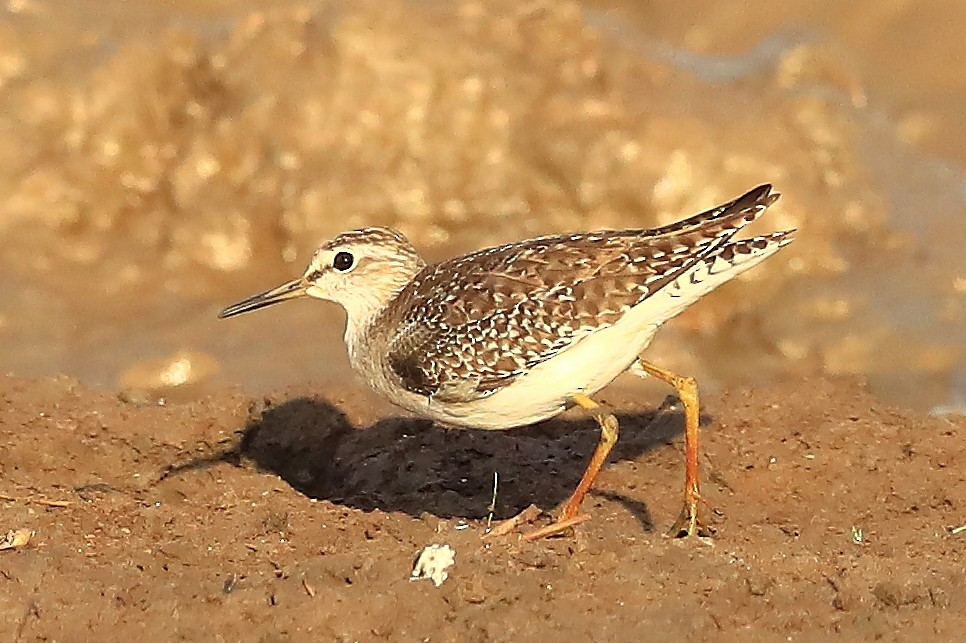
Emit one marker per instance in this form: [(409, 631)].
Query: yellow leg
[(609, 431), (687, 523)]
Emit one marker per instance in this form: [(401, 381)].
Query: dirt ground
[(298, 516)]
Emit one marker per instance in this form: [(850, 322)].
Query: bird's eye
[(343, 261)]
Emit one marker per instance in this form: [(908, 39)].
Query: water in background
[(161, 161)]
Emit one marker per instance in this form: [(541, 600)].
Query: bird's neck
[(372, 316), (366, 340), (368, 324), (359, 322)]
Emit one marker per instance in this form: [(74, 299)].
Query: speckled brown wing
[(458, 339)]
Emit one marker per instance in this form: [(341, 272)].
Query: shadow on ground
[(418, 467)]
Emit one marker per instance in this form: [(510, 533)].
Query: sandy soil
[(298, 516)]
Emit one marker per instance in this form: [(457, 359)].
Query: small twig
[(50, 503), (492, 507), (37, 501), (526, 516), (308, 588)]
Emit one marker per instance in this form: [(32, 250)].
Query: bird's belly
[(586, 367)]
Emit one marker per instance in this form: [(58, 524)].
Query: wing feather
[(469, 326)]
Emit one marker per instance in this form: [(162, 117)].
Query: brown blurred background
[(163, 159)]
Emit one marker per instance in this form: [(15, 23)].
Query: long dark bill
[(290, 290)]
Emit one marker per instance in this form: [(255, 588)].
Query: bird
[(512, 335)]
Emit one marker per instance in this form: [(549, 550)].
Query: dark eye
[(343, 261)]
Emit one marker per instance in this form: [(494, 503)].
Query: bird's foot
[(557, 527), (689, 523), (567, 520), (525, 517)]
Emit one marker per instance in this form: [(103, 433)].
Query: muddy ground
[(297, 517)]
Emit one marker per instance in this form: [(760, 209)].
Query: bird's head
[(362, 270)]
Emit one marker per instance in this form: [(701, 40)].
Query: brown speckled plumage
[(466, 327)]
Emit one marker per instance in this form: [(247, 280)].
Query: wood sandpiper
[(512, 335)]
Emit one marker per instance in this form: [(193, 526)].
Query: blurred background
[(163, 159)]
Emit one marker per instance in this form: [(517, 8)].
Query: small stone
[(432, 563)]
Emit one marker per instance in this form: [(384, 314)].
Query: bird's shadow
[(416, 466)]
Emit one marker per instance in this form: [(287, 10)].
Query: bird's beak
[(291, 290)]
